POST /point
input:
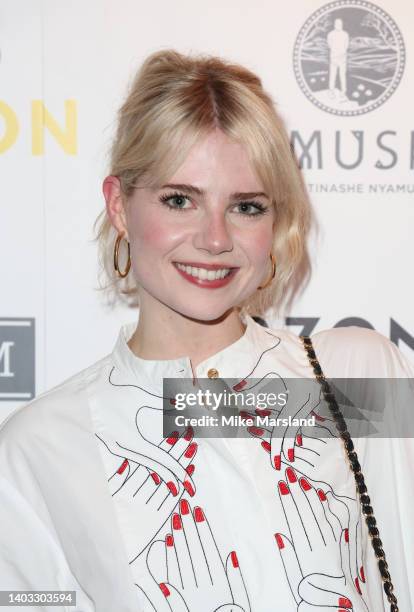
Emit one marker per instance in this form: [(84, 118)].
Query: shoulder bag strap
[(356, 468)]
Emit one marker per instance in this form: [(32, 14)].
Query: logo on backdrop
[(17, 359), (349, 57)]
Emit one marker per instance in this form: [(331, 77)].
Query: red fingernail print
[(291, 475), (362, 574), (172, 401), (169, 540), (305, 484), (198, 514), (279, 541), (172, 488), (234, 559), (191, 450), (189, 433), (283, 488), (176, 521), (184, 507), (255, 431), (266, 446), (165, 590), (123, 466), (358, 588), (155, 478), (291, 454), (278, 462), (189, 488), (346, 535), (239, 385), (321, 495), (262, 412), (318, 417), (299, 440), (344, 602), (190, 469), (172, 439)]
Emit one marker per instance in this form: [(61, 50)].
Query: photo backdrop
[(341, 74)]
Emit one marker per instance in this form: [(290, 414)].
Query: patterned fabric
[(134, 520)]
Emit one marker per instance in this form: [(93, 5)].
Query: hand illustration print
[(153, 455), (316, 456), (316, 553), (304, 400), (145, 498), (348, 511), (197, 579)]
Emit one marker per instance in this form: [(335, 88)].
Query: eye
[(258, 208), (179, 199), (176, 201)]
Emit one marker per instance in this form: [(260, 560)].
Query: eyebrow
[(237, 195)]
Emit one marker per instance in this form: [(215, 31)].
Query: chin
[(203, 312)]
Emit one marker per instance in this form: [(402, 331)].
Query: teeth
[(204, 274)]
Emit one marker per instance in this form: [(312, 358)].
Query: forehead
[(217, 157)]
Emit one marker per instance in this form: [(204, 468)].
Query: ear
[(111, 188)]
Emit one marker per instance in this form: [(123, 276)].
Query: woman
[(205, 222)]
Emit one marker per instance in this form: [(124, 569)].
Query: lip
[(198, 264)]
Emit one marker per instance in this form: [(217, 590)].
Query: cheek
[(155, 238), (258, 243), (152, 233), (160, 238)]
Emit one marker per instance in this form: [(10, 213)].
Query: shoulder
[(360, 352), (351, 338), (52, 408), (49, 437)]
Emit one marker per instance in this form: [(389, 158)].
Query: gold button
[(212, 373)]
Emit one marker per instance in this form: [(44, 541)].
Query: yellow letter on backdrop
[(42, 118), (12, 127)]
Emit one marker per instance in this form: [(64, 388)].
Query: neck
[(171, 335)]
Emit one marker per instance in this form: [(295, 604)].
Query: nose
[(214, 234)]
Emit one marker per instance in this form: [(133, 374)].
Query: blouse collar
[(237, 359)]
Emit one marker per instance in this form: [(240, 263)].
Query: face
[(202, 247)]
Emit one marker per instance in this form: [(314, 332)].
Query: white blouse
[(92, 496)]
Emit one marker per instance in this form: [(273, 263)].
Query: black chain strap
[(356, 468)]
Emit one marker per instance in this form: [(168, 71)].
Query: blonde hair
[(173, 101)]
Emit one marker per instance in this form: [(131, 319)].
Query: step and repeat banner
[(341, 74)]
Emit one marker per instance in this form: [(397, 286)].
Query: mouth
[(205, 272)]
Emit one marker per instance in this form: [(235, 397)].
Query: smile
[(213, 277), (203, 273)]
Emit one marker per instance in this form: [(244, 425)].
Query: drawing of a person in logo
[(338, 43)]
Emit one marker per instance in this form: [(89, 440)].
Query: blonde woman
[(205, 225)]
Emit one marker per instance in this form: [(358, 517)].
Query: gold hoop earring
[(116, 253), (272, 259)]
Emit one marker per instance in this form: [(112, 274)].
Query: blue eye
[(258, 208), (165, 199)]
